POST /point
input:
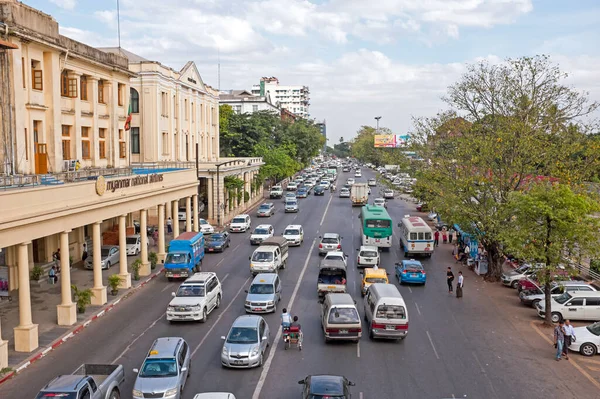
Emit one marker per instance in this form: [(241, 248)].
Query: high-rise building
[(294, 98), (323, 127)]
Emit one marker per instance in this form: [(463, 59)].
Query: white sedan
[(337, 255), (587, 340)]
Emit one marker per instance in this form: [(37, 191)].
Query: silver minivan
[(385, 311), (340, 319), (164, 371), (264, 293)]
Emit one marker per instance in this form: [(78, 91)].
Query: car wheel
[(587, 349), (556, 317), (218, 304), (260, 363), (534, 303), (204, 316), (515, 284), (107, 265)]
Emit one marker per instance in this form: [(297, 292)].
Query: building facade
[(244, 102), (323, 128), (295, 98)]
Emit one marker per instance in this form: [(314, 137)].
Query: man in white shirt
[(459, 285), (569, 337)]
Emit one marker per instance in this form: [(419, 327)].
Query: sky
[(360, 58)]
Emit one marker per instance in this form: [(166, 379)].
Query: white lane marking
[(360, 395), (221, 261), (166, 288), (295, 217), (409, 290), (267, 365), (225, 278), (136, 339), (219, 318), (358, 350), (236, 247), (431, 341), (418, 310), (325, 213)]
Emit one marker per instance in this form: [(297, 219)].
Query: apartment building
[(294, 98)]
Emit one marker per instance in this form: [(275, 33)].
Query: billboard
[(390, 140)]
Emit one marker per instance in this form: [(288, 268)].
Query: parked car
[(411, 271), (266, 210), (422, 207), (533, 296), (109, 255), (587, 340), (578, 305), (326, 386), (217, 242), (246, 343), (511, 279), (134, 244)]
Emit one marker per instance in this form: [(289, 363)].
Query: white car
[(432, 216), (368, 255), (261, 233), (357, 174), (240, 223), (350, 181), (325, 184), (344, 193), (196, 298), (587, 340), (388, 194), (380, 202), (133, 244), (292, 186), (337, 255), (294, 234), (205, 227), (372, 182)]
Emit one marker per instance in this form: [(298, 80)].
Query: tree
[(519, 121), (225, 136), (546, 221)]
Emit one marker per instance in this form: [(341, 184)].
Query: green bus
[(376, 226)]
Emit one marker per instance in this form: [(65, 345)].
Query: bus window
[(421, 234), (413, 236), (428, 236), (371, 223)]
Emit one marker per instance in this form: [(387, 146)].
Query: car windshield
[(131, 240), (390, 312), (594, 328), (264, 207), (562, 298), (261, 289), (202, 221), (343, 316), (216, 237), (262, 257), (242, 335), (326, 396), (376, 280), (329, 240), (261, 231), (104, 252), (291, 203), (191, 290), (379, 202), (176, 258), (335, 256), (374, 223), (291, 232), (368, 254), (238, 220), (156, 368)]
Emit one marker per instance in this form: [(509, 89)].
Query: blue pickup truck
[(185, 255)]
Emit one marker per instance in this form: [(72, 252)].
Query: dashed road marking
[(225, 278), (221, 261), (409, 290), (166, 288), (418, 310), (358, 350), (136, 339), (433, 346)]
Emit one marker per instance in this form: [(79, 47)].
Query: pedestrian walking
[(169, 225), (84, 254), (450, 279), (569, 338), (559, 338), (436, 238), (444, 235), (451, 235), (459, 285)]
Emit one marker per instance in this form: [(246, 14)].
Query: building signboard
[(390, 140), (102, 185)]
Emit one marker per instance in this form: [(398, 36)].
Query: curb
[(77, 329)]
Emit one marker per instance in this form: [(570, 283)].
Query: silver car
[(291, 206), (246, 343), (330, 242), (109, 255)]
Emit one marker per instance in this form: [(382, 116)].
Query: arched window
[(135, 101)]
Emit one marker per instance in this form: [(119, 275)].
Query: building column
[(125, 276), (26, 333), (3, 350), (211, 201), (195, 213), (161, 232), (175, 217), (66, 312), (188, 214), (145, 269), (99, 289)]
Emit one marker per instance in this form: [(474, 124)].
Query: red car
[(422, 207)]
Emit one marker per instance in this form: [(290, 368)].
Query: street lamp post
[(377, 118)]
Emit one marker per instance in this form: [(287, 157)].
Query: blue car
[(301, 193), (411, 271), (217, 242)]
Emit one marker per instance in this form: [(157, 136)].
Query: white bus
[(416, 237)]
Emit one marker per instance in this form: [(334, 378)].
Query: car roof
[(331, 235), (247, 321), (379, 199), (199, 277), (263, 278), (326, 384), (293, 226), (341, 299), (214, 395), (584, 293), (165, 347), (368, 248), (375, 272), (408, 262), (264, 226), (242, 215), (267, 204)]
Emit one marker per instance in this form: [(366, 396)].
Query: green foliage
[(246, 196), (518, 122), (113, 281), (153, 259), (36, 273), (83, 298), (135, 268)]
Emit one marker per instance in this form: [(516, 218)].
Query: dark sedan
[(217, 242), (326, 386), (319, 190)]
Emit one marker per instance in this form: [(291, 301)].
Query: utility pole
[(377, 118)]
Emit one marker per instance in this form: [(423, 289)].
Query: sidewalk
[(44, 299)]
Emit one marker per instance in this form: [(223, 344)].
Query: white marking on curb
[(24, 366), (45, 351), (267, 365), (66, 337), (87, 323), (100, 314), (117, 301), (431, 341)]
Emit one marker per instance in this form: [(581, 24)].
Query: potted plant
[(36, 273), (83, 298), (114, 281), (71, 261), (153, 258), (135, 268)]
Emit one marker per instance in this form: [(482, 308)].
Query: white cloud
[(66, 4)]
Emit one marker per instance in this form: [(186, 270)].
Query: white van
[(385, 311), (577, 305), (368, 255)]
